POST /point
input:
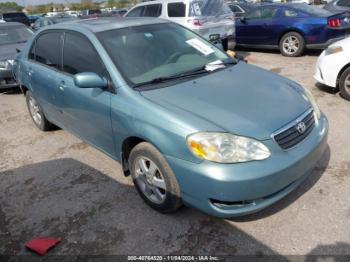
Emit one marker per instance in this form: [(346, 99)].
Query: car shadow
[(327, 89), (338, 252), (10, 91), (293, 196), (96, 214)]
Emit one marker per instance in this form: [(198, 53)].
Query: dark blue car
[(291, 27)]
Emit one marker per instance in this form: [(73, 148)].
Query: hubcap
[(34, 110), (347, 84), (291, 45), (150, 180)]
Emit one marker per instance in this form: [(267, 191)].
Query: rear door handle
[(30, 71)]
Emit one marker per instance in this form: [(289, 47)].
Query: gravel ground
[(53, 184)]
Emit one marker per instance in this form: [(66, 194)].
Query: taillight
[(334, 22), (196, 22)]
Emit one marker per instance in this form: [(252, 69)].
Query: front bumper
[(229, 190)]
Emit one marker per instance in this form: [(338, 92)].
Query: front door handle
[(30, 71), (62, 85)]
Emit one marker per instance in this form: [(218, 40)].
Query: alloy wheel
[(34, 110), (291, 45), (150, 180)]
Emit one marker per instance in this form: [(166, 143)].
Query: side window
[(176, 9), (80, 56), (236, 9), (290, 13), (153, 10), (343, 3), (49, 56), (263, 13), (137, 12), (31, 55)]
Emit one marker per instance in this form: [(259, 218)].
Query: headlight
[(226, 148), (333, 50), (6, 64), (312, 101)]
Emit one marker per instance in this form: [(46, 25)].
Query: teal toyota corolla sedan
[(189, 124)]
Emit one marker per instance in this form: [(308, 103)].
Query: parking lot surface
[(53, 184)]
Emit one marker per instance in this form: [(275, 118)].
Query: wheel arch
[(341, 72), (291, 30)]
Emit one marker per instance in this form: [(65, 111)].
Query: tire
[(344, 84), (163, 193), (37, 114), (292, 50)]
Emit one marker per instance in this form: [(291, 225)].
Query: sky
[(39, 2)]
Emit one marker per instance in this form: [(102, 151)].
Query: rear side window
[(290, 13), (137, 12), (176, 9), (263, 13), (48, 49), (80, 56), (152, 10)]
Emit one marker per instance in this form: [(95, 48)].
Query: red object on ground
[(41, 245)]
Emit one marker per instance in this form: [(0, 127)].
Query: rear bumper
[(6, 79), (229, 190), (324, 45)]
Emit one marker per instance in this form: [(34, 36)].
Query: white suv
[(209, 18)]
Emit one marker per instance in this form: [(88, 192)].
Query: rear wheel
[(292, 44), (344, 84), (37, 113), (154, 179)]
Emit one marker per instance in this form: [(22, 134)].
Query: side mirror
[(89, 80), (243, 19)]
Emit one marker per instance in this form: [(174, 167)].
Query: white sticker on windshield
[(200, 46), (196, 9)]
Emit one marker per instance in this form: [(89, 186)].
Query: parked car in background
[(16, 17), (45, 21), (337, 6), (33, 18), (333, 67), (13, 36), (187, 122), (291, 28), (209, 18), (308, 2), (90, 13), (72, 13), (240, 9)]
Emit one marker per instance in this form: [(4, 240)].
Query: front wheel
[(292, 44), (154, 179), (344, 84)]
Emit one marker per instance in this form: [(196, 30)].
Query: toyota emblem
[(301, 127)]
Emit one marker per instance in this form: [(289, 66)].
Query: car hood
[(8, 52), (242, 100)]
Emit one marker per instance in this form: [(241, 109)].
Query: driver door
[(254, 28)]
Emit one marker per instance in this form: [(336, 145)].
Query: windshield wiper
[(194, 72), (197, 71)]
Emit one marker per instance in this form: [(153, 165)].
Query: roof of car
[(7, 24), (104, 24)]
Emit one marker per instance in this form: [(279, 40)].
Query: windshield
[(143, 53), (208, 8), (12, 35)]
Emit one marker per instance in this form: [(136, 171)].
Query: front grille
[(296, 132)]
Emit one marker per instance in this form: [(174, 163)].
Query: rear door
[(256, 28), (84, 111), (44, 62)]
